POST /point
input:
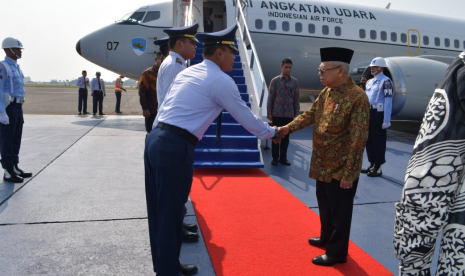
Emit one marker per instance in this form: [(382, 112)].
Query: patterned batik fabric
[(340, 131), (283, 97), (148, 90), (433, 197)]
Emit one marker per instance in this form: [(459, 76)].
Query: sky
[(50, 29)]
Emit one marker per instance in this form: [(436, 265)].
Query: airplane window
[(426, 40), (403, 38), (272, 25), (447, 42), (325, 29), (311, 28), (152, 15), (457, 43), (258, 23), (285, 26), (373, 34), (136, 17), (383, 36), (413, 39), (393, 37), (298, 27), (362, 33), (437, 41), (337, 31)]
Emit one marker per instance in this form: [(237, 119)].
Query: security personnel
[(118, 89), (182, 47), (196, 97), (181, 43), (11, 110), (97, 86), (83, 83), (379, 92)]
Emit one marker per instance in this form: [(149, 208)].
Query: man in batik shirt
[(283, 105), (433, 198), (340, 116), (148, 92)]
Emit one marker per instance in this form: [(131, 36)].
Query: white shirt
[(94, 85), (169, 69), (81, 82), (199, 94)]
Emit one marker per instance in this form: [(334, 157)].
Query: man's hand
[(4, 118), (386, 125), (146, 113), (345, 184), (124, 90), (284, 130), (278, 139), (269, 117), (104, 95), (92, 94)]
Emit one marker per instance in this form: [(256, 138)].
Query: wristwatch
[(276, 134)]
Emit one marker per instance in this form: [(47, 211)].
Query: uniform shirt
[(148, 90), (169, 69), (80, 82), (385, 93), (5, 85), (94, 85), (199, 94), (340, 131), (283, 97)]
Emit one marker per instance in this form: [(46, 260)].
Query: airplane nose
[(78, 47)]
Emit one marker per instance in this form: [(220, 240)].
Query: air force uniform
[(379, 92), (196, 97), (173, 63)]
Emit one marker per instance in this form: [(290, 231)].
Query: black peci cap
[(336, 54), (162, 41), (225, 37), (188, 32)]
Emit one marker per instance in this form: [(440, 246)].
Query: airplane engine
[(415, 80)]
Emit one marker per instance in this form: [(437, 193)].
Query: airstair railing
[(252, 60)]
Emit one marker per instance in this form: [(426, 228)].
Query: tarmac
[(84, 213)]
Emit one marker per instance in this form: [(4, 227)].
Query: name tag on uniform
[(380, 107)]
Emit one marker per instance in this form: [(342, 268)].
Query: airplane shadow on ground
[(132, 124)]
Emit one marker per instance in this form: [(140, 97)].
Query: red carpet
[(252, 226)]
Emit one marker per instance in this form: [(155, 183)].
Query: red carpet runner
[(252, 226)]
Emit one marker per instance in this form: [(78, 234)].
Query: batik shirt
[(340, 118), (148, 90), (283, 97), (433, 197)]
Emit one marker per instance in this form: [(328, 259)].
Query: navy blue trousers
[(335, 206), (98, 98), (82, 100), (168, 161), (376, 142), (10, 136), (118, 101)]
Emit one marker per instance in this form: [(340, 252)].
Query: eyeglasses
[(322, 71)]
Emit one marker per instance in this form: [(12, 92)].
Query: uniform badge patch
[(1, 77), (387, 85), (178, 60)]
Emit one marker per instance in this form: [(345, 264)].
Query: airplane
[(417, 47)]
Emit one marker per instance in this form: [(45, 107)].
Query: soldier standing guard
[(11, 110)]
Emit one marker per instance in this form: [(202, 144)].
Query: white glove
[(4, 118), (386, 125)]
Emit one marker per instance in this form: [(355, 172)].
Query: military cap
[(188, 32), (336, 54), (162, 41), (225, 37)]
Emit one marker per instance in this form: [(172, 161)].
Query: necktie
[(99, 86), (218, 127), (85, 87)]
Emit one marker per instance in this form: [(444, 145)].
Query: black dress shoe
[(375, 171), (189, 236), (79, 113), (326, 260), (101, 114), (190, 227), (94, 114), (317, 241), (274, 162), (20, 172), (11, 176), (284, 162), (85, 112), (188, 269), (367, 169)]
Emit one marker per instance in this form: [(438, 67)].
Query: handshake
[(280, 133)]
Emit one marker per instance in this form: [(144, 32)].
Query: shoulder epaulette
[(178, 60)]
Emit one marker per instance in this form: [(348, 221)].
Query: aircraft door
[(414, 42), (182, 14)]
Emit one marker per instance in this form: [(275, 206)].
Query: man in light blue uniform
[(182, 47), (196, 97), (379, 92), (11, 110), (83, 83)]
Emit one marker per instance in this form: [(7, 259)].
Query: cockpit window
[(152, 15), (134, 18)]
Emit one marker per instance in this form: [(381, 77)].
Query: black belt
[(181, 132)]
